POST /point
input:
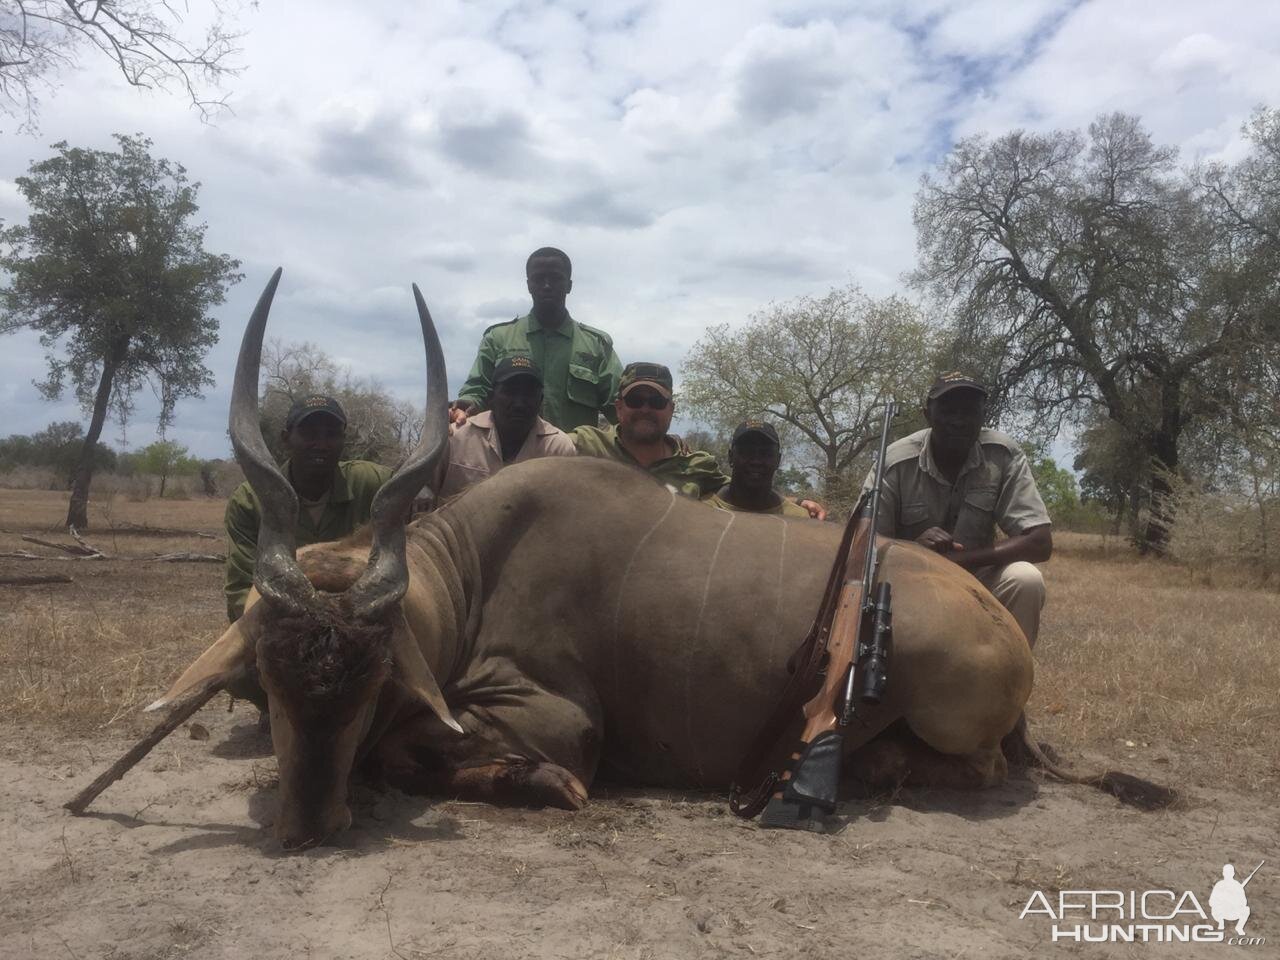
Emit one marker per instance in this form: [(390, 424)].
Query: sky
[(696, 161)]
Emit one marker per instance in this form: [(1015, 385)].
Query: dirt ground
[(177, 860)]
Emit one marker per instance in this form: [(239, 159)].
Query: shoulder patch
[(599, 334), (908, 448), (504, 323), (994, 438)]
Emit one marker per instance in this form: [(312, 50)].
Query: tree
[(821, 368), (165, 459), (379, 427), (1091, 274), (112, 272), (145, 40)]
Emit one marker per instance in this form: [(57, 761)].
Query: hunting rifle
[(848, 648)]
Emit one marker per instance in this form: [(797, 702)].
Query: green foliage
[(819, 368), (110, 269), (57, 447)]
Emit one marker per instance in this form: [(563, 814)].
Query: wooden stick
[(177, 716), (64, 547), (33, 580), (90, 550)]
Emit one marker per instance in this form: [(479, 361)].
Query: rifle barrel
[(869, 564)]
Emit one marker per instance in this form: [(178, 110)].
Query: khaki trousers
[(1020, 589)]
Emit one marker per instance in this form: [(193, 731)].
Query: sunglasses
[(653, 401)]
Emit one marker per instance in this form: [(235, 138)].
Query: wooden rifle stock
[(813, 772)]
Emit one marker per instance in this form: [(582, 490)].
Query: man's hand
[(816, 510), (458, 411), (939, 541)]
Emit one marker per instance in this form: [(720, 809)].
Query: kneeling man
[(946, 488), (511, 431), (754, 457)]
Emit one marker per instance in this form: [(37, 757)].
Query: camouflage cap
[(518, 365), (954, 380), (650, 374), (316, 403), (761, 427)]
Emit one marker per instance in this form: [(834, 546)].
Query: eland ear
[(415, 674), (230, 654)]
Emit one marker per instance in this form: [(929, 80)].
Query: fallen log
[(35, 579), (177, 716), (27, 555), (159, 557), (182, 558), (142, 530)]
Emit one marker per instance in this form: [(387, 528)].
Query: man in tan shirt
[(948, 486), (509, 432)]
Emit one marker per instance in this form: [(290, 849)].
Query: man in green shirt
[(644, 410), (755, 454), (580, 368), (334, 496)]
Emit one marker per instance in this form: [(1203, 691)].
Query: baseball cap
[(516, 366), (955, 381), (650, 374), (316, 403), (762, 427)]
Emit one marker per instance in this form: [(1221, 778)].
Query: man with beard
[(644, 410), (754, 457), (948, 486), (579, 365), (334, 495), (509, 432)]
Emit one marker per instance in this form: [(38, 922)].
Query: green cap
[(650, 374)]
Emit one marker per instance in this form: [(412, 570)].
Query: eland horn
[(386, 578), (277, 575)]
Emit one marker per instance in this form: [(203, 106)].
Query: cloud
[(376, 149), (782, 71), (503, 309), (494, 141), (599, 207), (695, 168)]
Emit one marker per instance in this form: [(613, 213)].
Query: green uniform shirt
[(580, 369), (786, 508), (693, 473), (346, 509)]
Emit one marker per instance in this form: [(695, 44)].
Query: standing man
[(579, 366), (754, 457), (334, 496), (509, 432), (946, 487), (644, 409)]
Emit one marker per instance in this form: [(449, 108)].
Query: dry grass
[(1138, 661), (86, 655)]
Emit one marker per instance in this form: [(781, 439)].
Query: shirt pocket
[(582, 386), (975, 527), (914, 520)]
